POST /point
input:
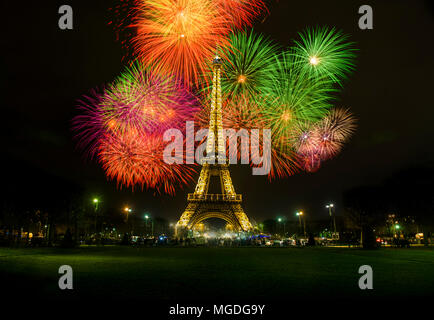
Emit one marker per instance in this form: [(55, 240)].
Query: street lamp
[(332, 219), (95, 202), (397, 230), (147, 217), (280, 221), (128, 211), (300, 214), (397, 227)]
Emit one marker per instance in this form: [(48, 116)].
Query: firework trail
[(120, 18), (242, 12), (325, 52)]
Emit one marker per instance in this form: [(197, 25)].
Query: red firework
[(134, 159), (242, 12), (121, 18)]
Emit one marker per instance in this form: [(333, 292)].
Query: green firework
[(293, 98), (248, 62), (323, 51)]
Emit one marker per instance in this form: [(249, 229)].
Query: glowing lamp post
[(147, 217), (330, 206), (95, 203), (127, 211), (300, 214), (397, 229), (280, 220)]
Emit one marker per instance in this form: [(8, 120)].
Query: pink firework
[(89, 126), (324, 139), (146, 102), (333, 131)]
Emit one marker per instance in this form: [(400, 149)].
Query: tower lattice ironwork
[(201, 204)]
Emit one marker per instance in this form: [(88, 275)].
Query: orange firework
[(179, 36)]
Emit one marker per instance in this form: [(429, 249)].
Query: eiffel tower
[(201, 204)]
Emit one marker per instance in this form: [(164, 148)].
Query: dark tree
[(366, 208), (311, 240), (68, 241)]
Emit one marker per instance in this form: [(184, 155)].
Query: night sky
[(45, 70)]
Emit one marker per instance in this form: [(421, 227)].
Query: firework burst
[(144, 101), (333, 131), (120, 19), (323, 140), (123, 127), (134, 159), (179, 36), (249, 60), (325, 52), (293, 99)]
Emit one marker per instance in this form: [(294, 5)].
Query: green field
[(201, 274)]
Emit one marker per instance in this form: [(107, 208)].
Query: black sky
[(45, 70)]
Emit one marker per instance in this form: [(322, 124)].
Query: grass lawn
[(201, 274)]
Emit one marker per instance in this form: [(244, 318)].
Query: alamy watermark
[(366, 280), (255, 147), (65, 281)]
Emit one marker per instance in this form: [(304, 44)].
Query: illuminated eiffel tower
[(201, 204)]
